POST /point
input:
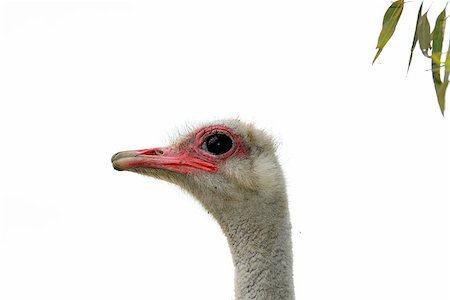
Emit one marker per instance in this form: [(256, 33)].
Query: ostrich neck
[(259, 236)]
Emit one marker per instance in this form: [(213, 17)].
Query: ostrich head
[(222, 164), (232, 169)]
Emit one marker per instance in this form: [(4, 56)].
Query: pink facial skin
[(186, 158)]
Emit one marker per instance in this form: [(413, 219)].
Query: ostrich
[(232, 169)]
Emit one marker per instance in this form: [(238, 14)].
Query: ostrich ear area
[(165, 158)]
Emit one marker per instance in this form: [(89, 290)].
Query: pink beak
[(166, 158)]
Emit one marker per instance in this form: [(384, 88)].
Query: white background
[(364, 148)]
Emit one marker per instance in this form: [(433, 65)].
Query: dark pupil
[(218, 144)]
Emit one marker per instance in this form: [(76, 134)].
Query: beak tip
[(115, 161), (113, 158)]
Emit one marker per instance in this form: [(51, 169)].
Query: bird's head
[(222, 163)]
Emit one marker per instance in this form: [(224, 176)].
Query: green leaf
[(441, 95), (438, 33), (447, 64), (443, 88), (419, 15), (436, 56), (424, 35), (390, 21)]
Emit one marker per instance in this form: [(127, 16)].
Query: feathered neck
[(259, 235)]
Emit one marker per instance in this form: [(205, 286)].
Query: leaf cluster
[(430, 43)]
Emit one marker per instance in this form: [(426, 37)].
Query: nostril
[(154, 152)]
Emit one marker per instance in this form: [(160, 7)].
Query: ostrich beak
[(165, 158)]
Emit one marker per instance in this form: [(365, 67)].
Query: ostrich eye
[(217, 144)]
